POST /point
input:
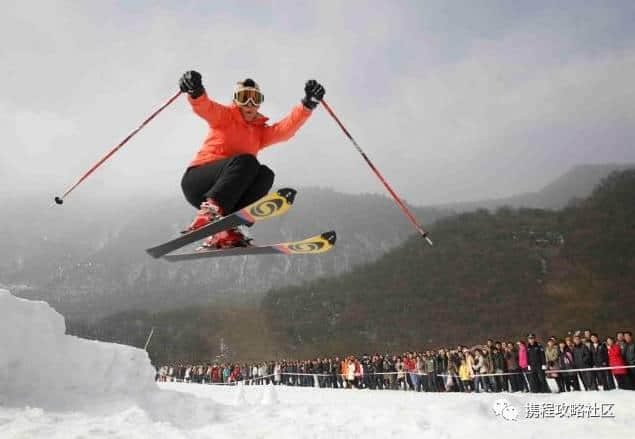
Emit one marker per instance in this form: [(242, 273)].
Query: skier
[(225, 175)]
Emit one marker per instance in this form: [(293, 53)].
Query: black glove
[(191, 83), (314, 93)]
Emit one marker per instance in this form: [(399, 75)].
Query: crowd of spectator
[(579, 361)]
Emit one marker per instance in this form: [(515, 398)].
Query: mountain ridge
[(577, 182)]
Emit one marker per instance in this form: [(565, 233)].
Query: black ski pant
[(233, 183), (623, 381), (537, 380)]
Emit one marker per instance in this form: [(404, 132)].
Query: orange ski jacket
[(230, 134)]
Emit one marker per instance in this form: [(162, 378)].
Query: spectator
[(440, 368), (410, 366), (479, 367), (512, 381), (378, 365), (582, 360), (498, 361), (452, 382), (552, 355), (629, 356), (234, 375), (390, 366), (522, 363), (401, 375), (620, 340), (569, 380), (419, 374), (466, 374), (431, 384), (616, 360), (368, 373), (600, 359), (536, 365), (350, 373)]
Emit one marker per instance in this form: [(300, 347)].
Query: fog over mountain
[(578, 182), (87, 258), (96, 263)]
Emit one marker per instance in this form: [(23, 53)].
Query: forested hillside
[(494, 274), (499, 274)]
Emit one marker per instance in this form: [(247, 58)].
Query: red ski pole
[(60, 200), (394, 195)]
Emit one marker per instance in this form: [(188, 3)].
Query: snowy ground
[(57, 386)]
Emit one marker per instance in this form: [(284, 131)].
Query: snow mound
[(41, 366)]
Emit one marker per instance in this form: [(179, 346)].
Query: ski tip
[(153, 253), (288, 194), (331, 237)]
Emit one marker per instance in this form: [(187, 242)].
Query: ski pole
[(400, 203), (60, 200)]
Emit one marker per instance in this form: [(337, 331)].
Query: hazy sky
[(452, 100)]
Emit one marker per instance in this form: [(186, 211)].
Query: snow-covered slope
[(57, 386)]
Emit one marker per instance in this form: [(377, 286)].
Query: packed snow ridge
[(41, 366)]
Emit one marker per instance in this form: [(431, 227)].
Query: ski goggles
[(246, 95)]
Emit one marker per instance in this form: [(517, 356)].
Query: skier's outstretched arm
[(214, 113), (287, 127)]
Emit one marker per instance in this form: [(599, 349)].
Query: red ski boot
[(209, 211), (226, 239)]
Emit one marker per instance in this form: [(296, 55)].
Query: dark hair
[(249, 82)]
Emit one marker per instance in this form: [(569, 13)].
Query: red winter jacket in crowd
[(215, 374), (234, 375), (615, 359), (409, 365)]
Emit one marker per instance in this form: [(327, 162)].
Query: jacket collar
[(260, 120)]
